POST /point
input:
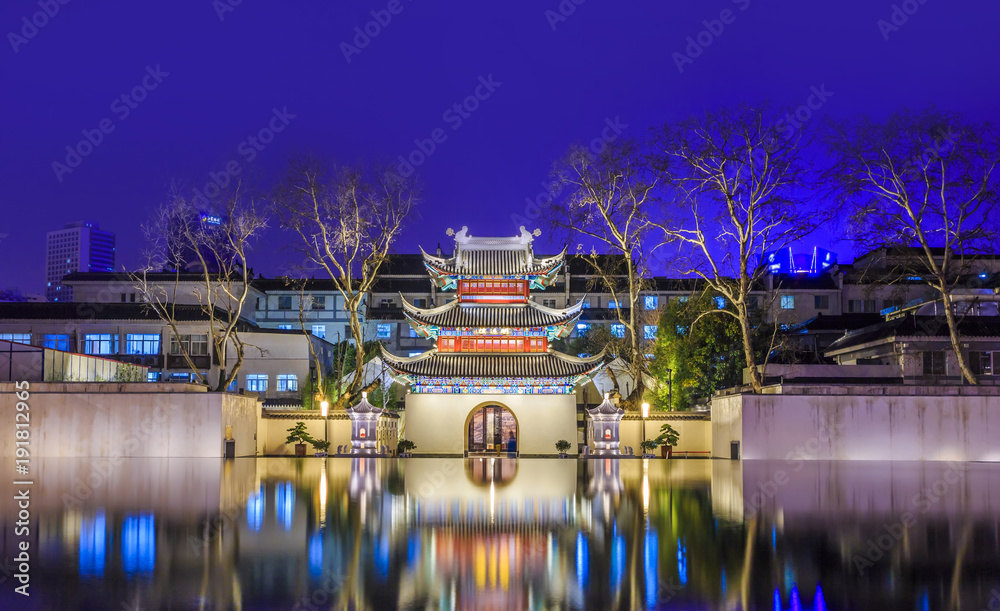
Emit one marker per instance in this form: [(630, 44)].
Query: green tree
[(697, 352)]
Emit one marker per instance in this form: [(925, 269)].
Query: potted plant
[(649, 446), (562, 446), (667, 439), (405, 447), (320, 446), (299, 436)]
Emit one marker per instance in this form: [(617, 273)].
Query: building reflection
[(488, 533)]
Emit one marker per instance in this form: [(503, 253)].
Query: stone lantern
[(364, 427), (604, 423)]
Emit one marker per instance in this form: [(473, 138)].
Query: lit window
[(413, 332), (720, 303), (585, 304), (582, 327), (682, 299), (256, 382), (415, 353), (153, 376), (788, 302), (618, 330), (100, 343), (287, 382), (651, 302), (383, 331), (17, 338), (231, 387), (142, 343), (649, 331), (319, 331), (284, 326), (612, 305)]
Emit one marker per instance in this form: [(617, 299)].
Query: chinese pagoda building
[(492, 382)]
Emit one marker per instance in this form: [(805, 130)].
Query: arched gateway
[(490, 428)]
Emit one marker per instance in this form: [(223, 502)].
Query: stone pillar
[(605, 420)]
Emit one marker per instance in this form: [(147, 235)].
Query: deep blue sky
[(605, 60)]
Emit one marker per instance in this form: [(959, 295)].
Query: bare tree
[(923, 186), (348, 219), (734, 179), (607, 199), (199, 257)]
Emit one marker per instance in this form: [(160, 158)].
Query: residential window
[(319, 302), (420, 303), (982, 363), (859, 306), (585, 304), (153, 376), (17, 338), (416, 353), (582, 327), (753, 302), (649, 331), (284, 302), (56, 342), (720, 303), (413, 332), (100, 343), (180, 377), (383, 331), (618, 330), (549, 303), (287, 382), (788, 302), (934, 363), (195, 345), (822, 302), (256, 382), (231, 387), (285, 326), (651, 302), (612, 305), (142, 343), (319, 331), (682, 299)]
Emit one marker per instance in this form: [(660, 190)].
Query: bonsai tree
[(562, 446), (668, 436), (405, 446), (299, 436)]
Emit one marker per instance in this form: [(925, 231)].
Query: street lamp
[(324, 409), (645, 414)]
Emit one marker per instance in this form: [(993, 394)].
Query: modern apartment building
[(78, 247)]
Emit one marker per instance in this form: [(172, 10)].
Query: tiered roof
[(527, 315), (509, 257), (506, 365)]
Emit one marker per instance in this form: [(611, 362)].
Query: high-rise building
[(78, 247)]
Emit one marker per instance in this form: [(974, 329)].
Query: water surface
[(285, 533)]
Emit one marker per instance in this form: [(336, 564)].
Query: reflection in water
[(513, 534)]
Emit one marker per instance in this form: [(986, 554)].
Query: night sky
[(211, 75)]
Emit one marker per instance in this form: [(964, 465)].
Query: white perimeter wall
[(695, 435), (858, 427), (437, 423), (128, 420)]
